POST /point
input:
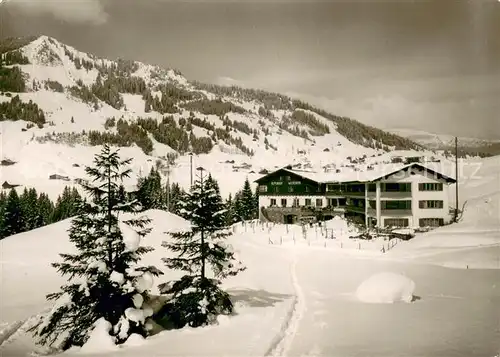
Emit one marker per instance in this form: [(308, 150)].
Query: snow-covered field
[(304, 293)]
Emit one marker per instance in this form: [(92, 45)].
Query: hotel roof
[(349, 175)]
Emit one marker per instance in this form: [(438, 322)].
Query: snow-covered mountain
[(57, 105), (442, 141)]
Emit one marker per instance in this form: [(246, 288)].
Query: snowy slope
[(68, 116), (298, 295), (295, 298)]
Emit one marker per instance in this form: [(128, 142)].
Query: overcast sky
[(432, 65)]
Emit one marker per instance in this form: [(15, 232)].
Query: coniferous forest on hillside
[(115, 78), (31, 209)]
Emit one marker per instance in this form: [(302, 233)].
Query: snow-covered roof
[(348, 174)]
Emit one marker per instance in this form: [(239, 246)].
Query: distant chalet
[(7, 185), (397, 195), (59, 177)]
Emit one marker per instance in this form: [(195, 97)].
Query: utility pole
[(168, 186), (202, 233), (191, 169), (456, 178)]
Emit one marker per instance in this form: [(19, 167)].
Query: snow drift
[(386, 288)]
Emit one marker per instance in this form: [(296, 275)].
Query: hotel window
[(319, 202), (307, 189), (396, 222), (430, 222), (262, 188), (431, 186), (430, 204), (283, 202), (396, 187), (273, 201), (296, 202), (276, 189), (372, 187), (308, 202), (396, 205)]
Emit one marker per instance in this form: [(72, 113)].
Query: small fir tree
[(3, 202), (106, 283), (247, 202), (13, 215), (176, 195), (203, 253), (66, 204), (238, 208), (150, 192), (29, 206), (256, 207), (229, 210), (45, 210)]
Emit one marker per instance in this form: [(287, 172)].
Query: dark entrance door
[(289, 219)]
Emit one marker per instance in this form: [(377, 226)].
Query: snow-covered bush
[(195, 302), (386, 288), (106, 284)]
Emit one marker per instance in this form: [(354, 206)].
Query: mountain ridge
[(467, 145), (153, 82), (59, 104)]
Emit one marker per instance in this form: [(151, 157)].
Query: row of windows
[(395, 204), (430, 222), (422, 222), (396, 222), (395, 187), (430, 187), (385, 205), (291, 189), (430, 204), (390, 187), (296, 202), (407, 204)]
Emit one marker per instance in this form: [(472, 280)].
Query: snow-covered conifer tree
[(204, 254), (247, 202), (105, 281)]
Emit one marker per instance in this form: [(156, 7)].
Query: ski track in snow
[(284, 339)]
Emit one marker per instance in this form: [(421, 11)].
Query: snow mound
[(386, 288), (100, 340), (135, 340)]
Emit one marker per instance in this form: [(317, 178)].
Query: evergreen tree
[(176, 196), (229, 210), (45, 210), (29, 206), (111, 287), (256, 207), (13, 216), (247, 202), (150, 192), (3, 202), (197, 299), (238, 209), (66, 204)]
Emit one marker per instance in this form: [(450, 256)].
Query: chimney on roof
[(288, 167)]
